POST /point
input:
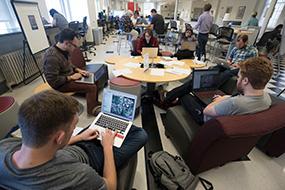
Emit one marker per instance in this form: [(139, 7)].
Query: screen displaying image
[(33, 22), (208, 81), (122, 106)]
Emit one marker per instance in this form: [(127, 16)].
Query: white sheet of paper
[(119, 72), (171, 63), (178, 71), (133, 65), (157, 72)]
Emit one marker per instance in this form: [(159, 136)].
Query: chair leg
[(281, 92)]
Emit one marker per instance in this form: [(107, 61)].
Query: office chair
[(224, 37), (74, 25), (85, 47)]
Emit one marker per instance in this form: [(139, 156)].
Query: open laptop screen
[(119, 104), (205, 79)]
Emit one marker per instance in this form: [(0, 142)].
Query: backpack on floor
[(171, 172)]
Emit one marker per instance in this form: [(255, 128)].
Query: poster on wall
[(240, 12), (33, 22)]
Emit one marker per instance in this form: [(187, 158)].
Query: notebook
[(87, 79), (117, 114), (151, 51), (205, 85)]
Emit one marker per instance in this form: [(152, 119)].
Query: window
[(279, 6), (78, 9), (73, 10), (8, 20), (264, 12), (147, 8)]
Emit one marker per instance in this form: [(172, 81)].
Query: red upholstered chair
[(219, 140), (129, 86), (8, 114)]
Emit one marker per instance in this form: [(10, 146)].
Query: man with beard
[(253, 76)]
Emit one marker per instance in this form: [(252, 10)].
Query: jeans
[(89, 89), (202, 42), (134, 141), (179, 91)]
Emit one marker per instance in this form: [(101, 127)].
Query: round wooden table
[(114, 59), (192, 64), (145, 76)]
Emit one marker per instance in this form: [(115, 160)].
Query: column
[(267, 16), (175, 9)]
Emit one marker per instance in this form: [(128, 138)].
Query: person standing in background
[(204, 24), (58, 19), (253, 21), (157, 22)]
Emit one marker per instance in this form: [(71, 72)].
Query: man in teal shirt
[(253, 21)]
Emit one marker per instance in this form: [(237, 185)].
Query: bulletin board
[(29, 18)]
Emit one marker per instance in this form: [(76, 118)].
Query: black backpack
[(171, 172)]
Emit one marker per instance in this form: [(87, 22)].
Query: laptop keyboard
[(112, 124)]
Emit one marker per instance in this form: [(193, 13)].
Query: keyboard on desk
[(112, 124)]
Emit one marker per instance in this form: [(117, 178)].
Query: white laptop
[(117, 113), (151, 51), (88, 79)]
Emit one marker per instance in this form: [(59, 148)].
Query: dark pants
[(89, 89), (186, 88), (179, 91), (134, 141), (202, 42)]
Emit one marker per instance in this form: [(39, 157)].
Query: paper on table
[(179, 71), (170, 63), (133, 65), (119, 72), (157, 72), (198, 62)]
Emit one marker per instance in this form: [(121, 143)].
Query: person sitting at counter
[(58, 19)]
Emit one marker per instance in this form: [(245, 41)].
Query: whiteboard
[(29, 18)]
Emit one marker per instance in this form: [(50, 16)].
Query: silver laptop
[(151, 51), (88, 79), (117, 114)]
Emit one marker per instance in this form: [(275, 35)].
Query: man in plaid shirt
[(242, 51)]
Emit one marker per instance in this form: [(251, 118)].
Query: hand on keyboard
[(89, 134), (108, 138)]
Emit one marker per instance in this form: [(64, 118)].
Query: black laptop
[(205, 84)]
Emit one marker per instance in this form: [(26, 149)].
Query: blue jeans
[(134, 141), (202, 42)]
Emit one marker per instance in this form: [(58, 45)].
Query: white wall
[(250, 7)]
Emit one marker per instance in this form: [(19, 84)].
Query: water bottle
[(146, 61)]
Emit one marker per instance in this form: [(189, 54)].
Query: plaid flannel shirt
[(238, 55)]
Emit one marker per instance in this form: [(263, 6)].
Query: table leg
[(149, 124)]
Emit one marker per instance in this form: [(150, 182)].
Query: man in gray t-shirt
[(49, 157), (253, 76)]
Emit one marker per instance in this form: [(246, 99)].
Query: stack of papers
[(157, 72), (133, 65), (120, 72), (170, 63), (168, 58), (179, 71), (199, 62)]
